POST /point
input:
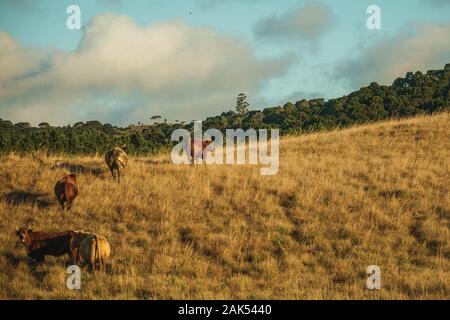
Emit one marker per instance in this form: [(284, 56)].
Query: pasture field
[(341, 201)]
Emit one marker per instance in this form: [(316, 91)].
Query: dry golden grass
[(343, 200)]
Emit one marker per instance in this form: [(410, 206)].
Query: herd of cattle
[(82, 247)]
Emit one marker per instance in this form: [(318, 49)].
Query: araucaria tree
[(241, 105)]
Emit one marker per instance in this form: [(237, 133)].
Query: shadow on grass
[(38, 270), (25, 197), (14, 260), (78, 168), (157, 162)]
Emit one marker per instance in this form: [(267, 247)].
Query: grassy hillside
[(343, 200)]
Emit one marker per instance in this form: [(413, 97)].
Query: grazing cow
[(116, 158), (202, 146), (40, 244), (66, 190), (91, 248)]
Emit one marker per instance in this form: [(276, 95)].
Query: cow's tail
[(97, 255), (66, 190)]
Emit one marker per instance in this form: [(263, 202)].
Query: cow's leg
[(112, 173), (118, 175), (191, 157), (74, 256), (102, 264), (194, 159), (61, 203), (198, 158)]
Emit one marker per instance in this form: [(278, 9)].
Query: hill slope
[(342, 201)]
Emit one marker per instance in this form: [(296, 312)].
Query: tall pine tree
[(241, 105)]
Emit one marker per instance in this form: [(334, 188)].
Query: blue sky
[(275, 51)]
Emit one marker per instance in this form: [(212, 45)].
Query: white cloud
[(14, 61), (428, 47), (168, 68)]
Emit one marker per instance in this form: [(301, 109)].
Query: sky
[(189, 59)]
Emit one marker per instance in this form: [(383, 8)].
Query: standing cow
[(40, 244), (199, 149), (66, 190), (116, 159), (91, 248)]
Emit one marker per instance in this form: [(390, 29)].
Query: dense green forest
[(415, 94)]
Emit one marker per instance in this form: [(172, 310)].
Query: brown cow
[(66, 190), (40, 244), (202, 146)]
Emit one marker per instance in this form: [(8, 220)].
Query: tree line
[(415, 94)]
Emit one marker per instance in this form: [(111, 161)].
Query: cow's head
[(23, 234), (78, 237)]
